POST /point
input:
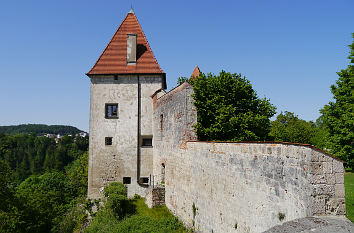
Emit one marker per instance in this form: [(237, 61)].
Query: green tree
[(289, 128), (10, 218), (77, 172), (181, 80), (229, 109), (339, 114), (320, 136), (44, 198)]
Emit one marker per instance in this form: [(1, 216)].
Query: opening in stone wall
[(162, 173)]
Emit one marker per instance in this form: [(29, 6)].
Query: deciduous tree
[(229, 109), (338, 115)]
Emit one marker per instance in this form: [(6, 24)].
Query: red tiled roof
[(195, 73), (113, 60)]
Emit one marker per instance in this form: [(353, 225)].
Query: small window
[(147, 142), (144, 180), (161, 122), (111, 111), (108, 141), (127, 180)]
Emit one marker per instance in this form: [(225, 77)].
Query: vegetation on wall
[(229, 109)]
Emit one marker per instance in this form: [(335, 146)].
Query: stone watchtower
[(123, 80)]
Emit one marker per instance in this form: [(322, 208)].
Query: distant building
[(83, 134)]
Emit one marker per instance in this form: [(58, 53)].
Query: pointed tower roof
[(195, 73), (113, 59)]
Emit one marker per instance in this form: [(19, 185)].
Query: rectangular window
[(146, 142), (111, 111), (127, 180), (161, 122), (144, 180), (108, 141)]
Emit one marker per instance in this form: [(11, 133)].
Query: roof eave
[(164, 84)]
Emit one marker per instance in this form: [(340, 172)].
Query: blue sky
[(289, 50)]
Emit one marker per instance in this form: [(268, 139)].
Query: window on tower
[(111, 111), (146, 141), (108, 141), (127, 180)]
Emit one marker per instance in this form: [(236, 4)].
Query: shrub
[(115, 187), (118, 204), (141, 224), (72, 220)]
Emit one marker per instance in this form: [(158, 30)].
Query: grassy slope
[(349, 194)]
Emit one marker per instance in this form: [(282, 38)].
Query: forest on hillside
[(40, 181), (40, 129)]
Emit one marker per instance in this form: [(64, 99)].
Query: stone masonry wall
[(155, 196), (214, 187), (174, 117), (238, 187)]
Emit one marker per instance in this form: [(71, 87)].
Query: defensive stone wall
[(155, 196), (238, 187), (174, 117), (220, 187)]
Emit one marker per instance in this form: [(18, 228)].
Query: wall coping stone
[(271, 142)]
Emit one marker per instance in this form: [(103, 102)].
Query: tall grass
[(349, 194)]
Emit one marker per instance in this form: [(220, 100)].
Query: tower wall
[(109, 163)]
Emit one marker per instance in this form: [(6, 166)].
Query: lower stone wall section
[(155, 197), (251, 187)]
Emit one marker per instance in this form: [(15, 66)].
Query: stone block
[(335, 206), (339, 178), (319, 179), (324, 158), (269, 150), (323, 189), (319, 205), (330, 178), (338, 166), (327, 167), (317, 168), (339, 191), (315, 156)]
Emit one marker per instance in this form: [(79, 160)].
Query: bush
[(115, 187), (72, 220), (142, 224), (103, 222), (117, 204)]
